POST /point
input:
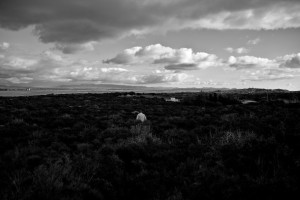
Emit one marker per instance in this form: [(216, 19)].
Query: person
[(141, 117)]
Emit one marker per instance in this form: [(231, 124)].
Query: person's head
[(140, 111)]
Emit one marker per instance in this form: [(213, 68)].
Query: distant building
[(173, 99)]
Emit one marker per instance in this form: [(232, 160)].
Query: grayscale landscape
[(149, 99)]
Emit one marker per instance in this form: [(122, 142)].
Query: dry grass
[(142, 133), (236, 137)]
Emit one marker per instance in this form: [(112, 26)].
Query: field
[(206, 146)]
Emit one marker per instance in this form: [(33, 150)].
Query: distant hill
[(110, 87), (255, 91), (100, 86)]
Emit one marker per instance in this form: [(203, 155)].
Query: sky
[(160, 43)]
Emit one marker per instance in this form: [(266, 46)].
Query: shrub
[(236, 137), (114, 134), (142, 133)]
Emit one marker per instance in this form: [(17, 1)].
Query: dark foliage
[(207, 146)]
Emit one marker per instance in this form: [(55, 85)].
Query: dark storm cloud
[(76, 21), (73, 21)]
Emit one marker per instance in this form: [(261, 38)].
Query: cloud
[(182, 66), (268, 75), (262, 69), (171, 59), (73, 48), (290, 61), (67, 23), (19, 80), (4, 45), (287, 62), (168, 77), (51, 68), (246, 62), (253, 41), (126, 57), (229, 49), (113, 70), (240, 50), (17, 63), (280, 15)]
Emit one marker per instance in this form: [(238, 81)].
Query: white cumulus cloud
[(253, 41), (240, 50), (171, 59), (261, 69), (4, 45), (53, 68), (246, 62)]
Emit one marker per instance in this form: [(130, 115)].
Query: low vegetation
[(207, 146)]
